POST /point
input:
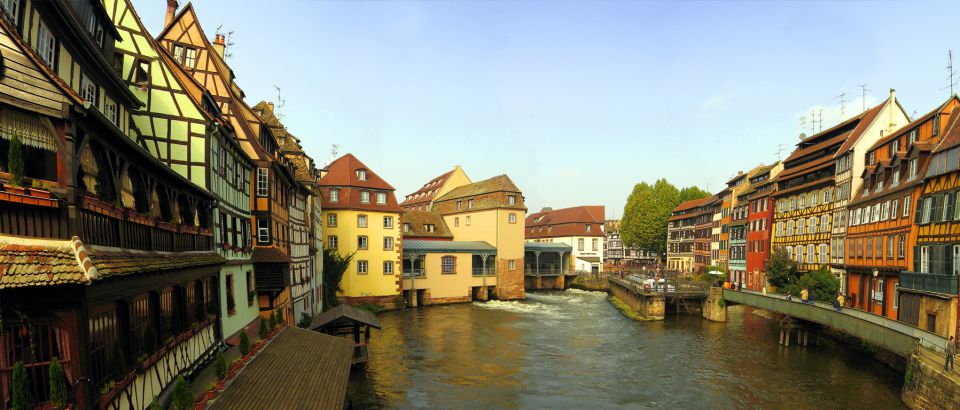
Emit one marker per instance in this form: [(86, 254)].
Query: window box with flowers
[(94, 204)]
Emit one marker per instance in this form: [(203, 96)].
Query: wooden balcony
[(106, 225)]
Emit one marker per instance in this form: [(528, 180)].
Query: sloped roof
[(693, 203), (342, 172), (344, 315), (499, 183), (951, 133), (289, 145), (907, 128), (298, 368), (865, 119), (54, 263), (427, 246), (566, 222), (427, 190), (417, 219)]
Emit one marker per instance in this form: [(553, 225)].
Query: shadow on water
[(572, 349)]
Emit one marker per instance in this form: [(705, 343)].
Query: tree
[(273, 320), (15, 161), (692, 192), (647, 213), (822, 284), (334, 266), (263, 328), (58, 385), (20, 385), (244, 344), (221, 366), (182, 397), (781, 270)]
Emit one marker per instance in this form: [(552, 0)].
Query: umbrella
[(716, 272)]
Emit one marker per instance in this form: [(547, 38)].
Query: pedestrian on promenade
[(842, 299), (789, 297), (804, 295), (951, 351), (838, 302)]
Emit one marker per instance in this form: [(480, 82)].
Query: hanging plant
[(15, 161)]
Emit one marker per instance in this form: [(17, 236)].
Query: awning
[(590, 259), (298, 369), (32, 129)]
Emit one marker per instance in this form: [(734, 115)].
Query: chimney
[(893, 100), (219, 44), (171, 12)]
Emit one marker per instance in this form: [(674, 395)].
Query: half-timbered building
[(681, 230), (106, 254)]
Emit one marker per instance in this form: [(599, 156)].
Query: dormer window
[(334, 195), (11, 9), (879, 183), (364, 197), (912, 168), (406, 227), (186, 56), (362, 174), (429, 227), (870, 159), (95, 29), (511, 199), (46, 44), (470, 204), (913, 136), (459, 204), (142, 71), (895, 147), (896, 177), (588, 227), (381, 198), (936, 125)]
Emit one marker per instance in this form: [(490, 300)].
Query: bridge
[(892, 335)]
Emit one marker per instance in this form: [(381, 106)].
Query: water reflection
[(574, 350)]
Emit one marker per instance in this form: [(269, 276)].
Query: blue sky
[(575, 101)]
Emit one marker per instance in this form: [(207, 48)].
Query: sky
[(576, 101)]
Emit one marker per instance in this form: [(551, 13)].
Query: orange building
[(881, 232)]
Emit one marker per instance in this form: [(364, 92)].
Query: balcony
[(415, 272), (929, 282), (490, 271), (548, 271)]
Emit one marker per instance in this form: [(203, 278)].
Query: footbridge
[(890, 334)]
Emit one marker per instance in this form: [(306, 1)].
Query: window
[(143, 71), (912, 166), (456, 223), (936, 124), (231, 303), (364, 197), (361, 221), (178, 52), (827, 194), (906, 205), (11, 9), (924, 259), (889, 252), (469, 204), (926, 208), (822, 253), (190, 57), (381, 198), (88, 90), (580, 244), (512, 218), (884, 211), (896, 295), (361, 242), (825, 223), (331, 219), (110, 111), (800, 225), (812, 224), (459, 204), (388, 267), (448, 264), (512, 265), (511, 200), (331, 242), (262, 183), (406, 227), (251, 293), (901, 245), (429, 227), (467, 218), (46, 44), (387, 243), (893, 208), (811, 253), (896, 177), (388, 222), (802, 202), (362, 174), (263, 231), (361, 267)]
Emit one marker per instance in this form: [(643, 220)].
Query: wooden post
[(787, 344), (806, 336), (780, 342)]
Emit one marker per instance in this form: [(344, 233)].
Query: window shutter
[(916, 258), (918, 210), (950, 204)]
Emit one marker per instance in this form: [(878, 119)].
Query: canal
[(573, 349)]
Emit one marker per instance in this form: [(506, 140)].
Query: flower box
[(95, 204), (167, 226), (136, 217), (40, 193), (225, 246), (19, 190), (246, 249), (189, 229), (206, 231)]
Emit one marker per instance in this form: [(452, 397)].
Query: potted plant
[(182, 398), (40, 189), (20, 396), (244, 344), (221, 366), (58, 385), (15, 161)]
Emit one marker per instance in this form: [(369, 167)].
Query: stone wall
[(643, 307), (388, 302), (926, 387), (715, 308), (510, 284)]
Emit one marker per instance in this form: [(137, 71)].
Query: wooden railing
[(33, 221), (103, 230)]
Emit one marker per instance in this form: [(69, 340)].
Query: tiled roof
[(342, 174), (298, 369), (951, 133), (693, 203), (499, 183), (417, 219), (425, 194), (865, 119), (907, 128), (37, 262), (268, 254), (566, 222)]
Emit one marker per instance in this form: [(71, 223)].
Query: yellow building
[(489, 211), (362, 218)]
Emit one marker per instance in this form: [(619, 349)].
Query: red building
[(759, 222)]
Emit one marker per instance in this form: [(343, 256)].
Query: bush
[(305, 320), (20, 384), (182, 395), (263, 328), (279, 316), (15, 161), (822, 284), (58, 385), (273, 320), (244, 344), (221, 366), (155, 405)]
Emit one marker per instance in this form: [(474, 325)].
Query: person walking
[(838, 302), (951, 351), (789, 297), (804, 295)]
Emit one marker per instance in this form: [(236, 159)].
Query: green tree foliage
[(334, 265), (221, 363), (305, 320), (244, 344), (155, 405), (781, 270), (263, 328), (20, 384), (58, 385), (182, 396), (15, 161), (822, 284), (647, 213)]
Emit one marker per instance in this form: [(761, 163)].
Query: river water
[(573, 349)]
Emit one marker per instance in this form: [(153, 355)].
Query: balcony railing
[(417, 272), (929, 282), (548, 271), (490, 271)]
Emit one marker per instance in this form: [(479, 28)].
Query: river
[(573, 349)]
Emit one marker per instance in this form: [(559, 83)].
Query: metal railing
[(547, 271), (669, 287), (489, 271), (929, 282), (418, 272)]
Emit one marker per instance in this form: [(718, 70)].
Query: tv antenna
[(779, 151), (863, 96), (813, 122), (278, 111), (843, 103), (803, 123), (227, 42), (820, 121), (950, 72)]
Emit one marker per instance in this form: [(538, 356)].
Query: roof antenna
[(280, 104), (227, 45), (843, 103), (820, 121), (779, 151), (803, 124), (863, 96), (950, 72), (813, 122)]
